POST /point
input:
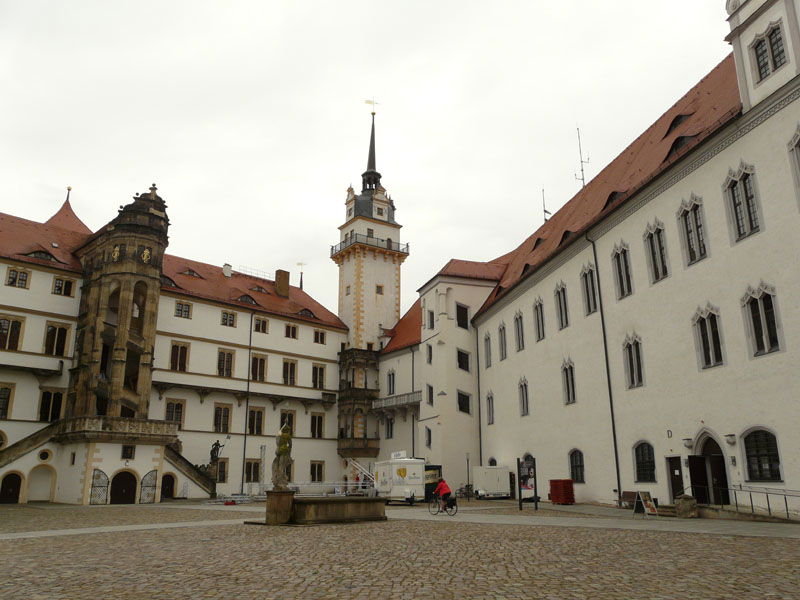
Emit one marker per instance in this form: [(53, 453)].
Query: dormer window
[(380, 212), (246, 298), (307, 313), (191, 273), (769, 52), (676, 122), (167, 281), (258, 288), (679, 143), (42, 254)]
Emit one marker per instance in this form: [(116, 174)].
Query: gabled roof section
[(470, 269), (705, 109), (20, 237), (408, 330), (212, 284), (66, 218)]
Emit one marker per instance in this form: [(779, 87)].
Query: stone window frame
[(293, 413), (390, 382), (232, 352), (315, 369), (228, 318), (254, 465), (320, 336), (487, 350), (259, 356), (11, 387), (225, 470), (179, 304), (459, 395), (222, 405), (18, 270), (428, 437), (502, 341), (658, 267), (637, 469), (177, 401), (727, 186), (622, 249), (429, 354), (751, 52), (64, 280), (589, 283), (379, 289), (51, 391), (465, 308), (257, 321), (519, 331), (702, 314), (460, 352), (388, 432), (568, 381), (57, 325), (694, 202), (524, 397), (321, 417), (320, 466), (261, 421), (560, 295), (577, 466), (631, 381), (490, 408), (538, 319), (746, 457), (182, 344), (430, 394), (291, 331), (758, 292)]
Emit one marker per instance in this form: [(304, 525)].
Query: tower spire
[(371, 179)]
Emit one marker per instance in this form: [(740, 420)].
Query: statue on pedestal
[(282, 460)]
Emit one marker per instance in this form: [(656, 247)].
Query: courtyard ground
[(178, 551)]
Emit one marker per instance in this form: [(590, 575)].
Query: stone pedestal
[(685, 507), (279, 507)]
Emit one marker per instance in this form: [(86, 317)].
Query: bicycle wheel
[(451, 509), (433, 507)]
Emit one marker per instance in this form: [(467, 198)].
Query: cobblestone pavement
[(398, 560), (18, 518)]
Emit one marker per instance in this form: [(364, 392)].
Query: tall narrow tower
[(369, 255)]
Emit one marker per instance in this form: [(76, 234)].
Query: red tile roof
[(19, 237), (707, 107), (408, 329)]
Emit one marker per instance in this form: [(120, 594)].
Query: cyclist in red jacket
[(443, 491)]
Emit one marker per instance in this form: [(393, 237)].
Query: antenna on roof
[(301, 265), (547, 213), (582, 177)]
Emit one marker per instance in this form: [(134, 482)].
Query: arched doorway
[(167, 487), (123, 488), (708, 474), (40, 484), (10, 488)]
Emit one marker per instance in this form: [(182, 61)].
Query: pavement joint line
[(115, 528)]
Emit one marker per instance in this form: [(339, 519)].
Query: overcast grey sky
[(250, 116)]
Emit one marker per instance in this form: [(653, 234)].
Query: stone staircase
[(183, 465), (28, 443)]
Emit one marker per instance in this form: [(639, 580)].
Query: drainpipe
[(480, 419), (608, 370), (247, 400), (413, 389)]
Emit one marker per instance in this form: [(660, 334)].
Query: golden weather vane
[(373, 103)]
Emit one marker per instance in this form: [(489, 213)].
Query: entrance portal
[(40, 484), (675, 476), (9, 489), (708, 475), (123, 488), (167, 487)]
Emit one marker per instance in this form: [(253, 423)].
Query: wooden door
[(123, 488), (167, 487), (698, 476), (675, 476), (9, 489)]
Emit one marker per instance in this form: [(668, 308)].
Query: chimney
[(282, 283), (227, 270)]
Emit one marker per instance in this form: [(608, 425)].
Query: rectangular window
[(501, 342), (431, 320), (222, 470), (55, 339), (490, 410), (174, 412), (633, 364), (429, 389), (462, 360), (225, 363), (379, 290), (657, 255), (743, 206), (370, 233), (519, 332), (317, 426), (764, 324), (252, 470), (63, 287), (258, 367), (183, 310), (17, 278), (289, 372), (710, 343), (694, 234), (261, 325), (128, 452), (464, 404), (568, 375), (524, 404), (317, 471), (228, 318), (318, 377), (561, 307), (429, 354), (538, 319), (622, 273), (291, 331), (50, 406), (222, 418), (462, 316), (10, 332), (255, 421), (428, 437), (776, 48), (319, 336), (287, 418), (389, 428), (487, 350), (589, 291), (6, 391), (179, 357), (380, 212), (390, 383)]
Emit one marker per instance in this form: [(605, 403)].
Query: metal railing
[(360, 238), (745, 498), (398, 400)]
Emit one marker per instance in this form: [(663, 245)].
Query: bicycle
[(435, 506)]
